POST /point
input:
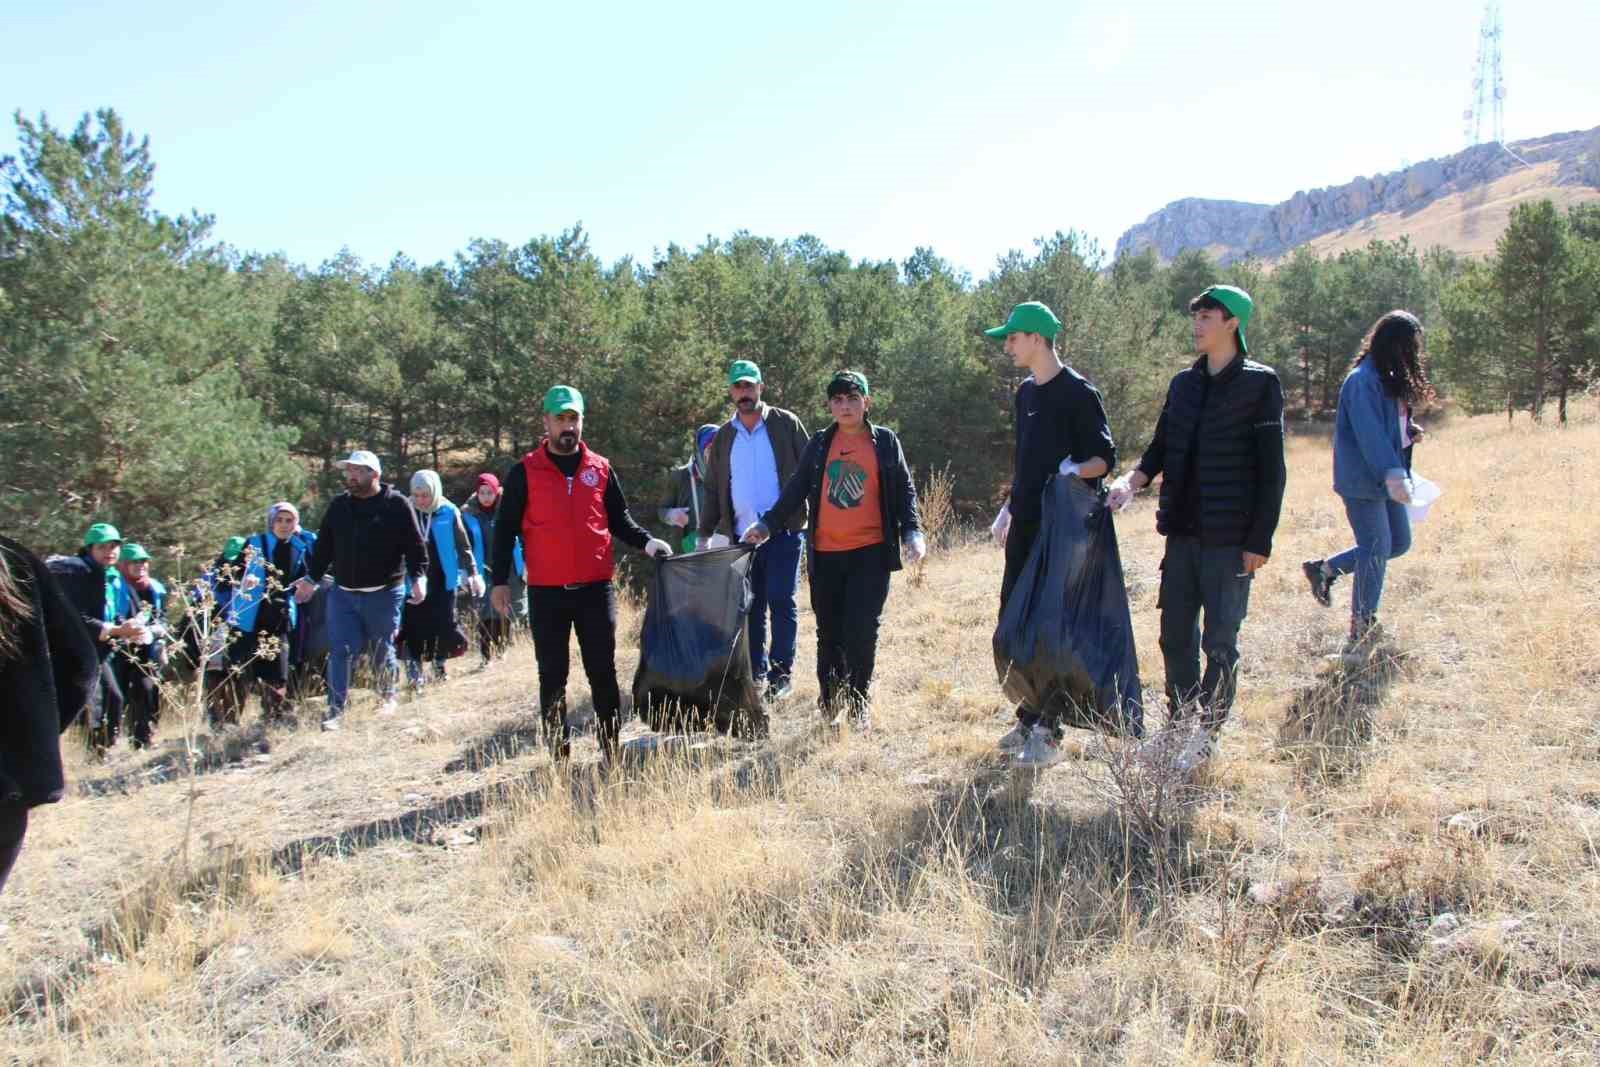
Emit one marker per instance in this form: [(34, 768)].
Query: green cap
[(1239, 306), (101, 533), (1032, 317), (234, 548), (133, 553), (743, 370), (847, 381), (563, 398)]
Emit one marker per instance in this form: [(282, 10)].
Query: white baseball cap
[(362, 458)]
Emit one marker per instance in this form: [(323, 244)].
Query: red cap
[(490, 480)]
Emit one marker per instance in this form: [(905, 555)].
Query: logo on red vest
[(590, 477)]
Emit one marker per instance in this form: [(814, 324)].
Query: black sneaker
[(1321, 581)]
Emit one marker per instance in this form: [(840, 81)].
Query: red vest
[(566, 538)]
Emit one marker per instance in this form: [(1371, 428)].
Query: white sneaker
[(1012, 742), (333, 724), (1196, 752), (1041, 750), (388, 708)]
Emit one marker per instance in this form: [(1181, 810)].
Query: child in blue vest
[(428, 630)]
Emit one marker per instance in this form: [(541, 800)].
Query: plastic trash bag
[(1064, 645), (694, 652), (1423, 495)]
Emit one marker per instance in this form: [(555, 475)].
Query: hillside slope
[(1460, 202), (1400, 866)]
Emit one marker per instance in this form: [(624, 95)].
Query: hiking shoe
[(1321, 581), (1041, 750), (333, 724), (1013, 740), (778, 688), (1365, 637)]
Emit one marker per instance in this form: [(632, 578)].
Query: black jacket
[(83, 582), (379, 548), (1226, 433), (897, 493), (43, 688)]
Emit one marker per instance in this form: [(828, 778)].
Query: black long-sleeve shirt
[(1062, 419), (369, 542), (514, 503)]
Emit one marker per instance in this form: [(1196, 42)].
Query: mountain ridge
[(1566, 165)]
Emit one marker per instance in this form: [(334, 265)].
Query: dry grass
[(1404, 873)]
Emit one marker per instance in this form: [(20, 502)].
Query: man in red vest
[(570, 505)]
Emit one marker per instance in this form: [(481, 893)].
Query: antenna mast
[(1488, 84)]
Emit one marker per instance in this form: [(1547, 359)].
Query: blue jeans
[(1383, 532), (362, 623), (774, 576)]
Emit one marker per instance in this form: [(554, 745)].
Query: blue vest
[(475, 531), (246, 603), (442, 531), (130, 603)]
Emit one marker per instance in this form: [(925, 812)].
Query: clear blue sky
[(878, 127)]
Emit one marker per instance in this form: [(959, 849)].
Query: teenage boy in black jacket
[(1061, 432), (370, 539), (1219, 448), (863, 509)]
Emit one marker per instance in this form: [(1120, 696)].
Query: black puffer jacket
[(1225, 432), (897, 493), (43, 687)]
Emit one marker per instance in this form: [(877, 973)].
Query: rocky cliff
[(1230, 229)]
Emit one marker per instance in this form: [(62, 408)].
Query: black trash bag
[(1064, 645), (694, 653)]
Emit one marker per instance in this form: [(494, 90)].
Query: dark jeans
[(1019, 542), (1383, 532), (847, 594), (555, 611), (1198, 578), (362, 623), (774, 577), (13, 828), (105, 706)]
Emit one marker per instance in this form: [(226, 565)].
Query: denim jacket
[(1366, 436)]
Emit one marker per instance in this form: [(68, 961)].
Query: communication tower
[(1487, 101)]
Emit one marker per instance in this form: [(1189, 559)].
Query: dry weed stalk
[(936, 508)]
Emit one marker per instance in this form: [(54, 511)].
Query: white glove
[(656, 548), (419, 589), (717, 540), (475, 586), (304, 590), (916, 547), (1399, 489), (1001, 526), (678, 516), (1068, 467), (1121, 492)]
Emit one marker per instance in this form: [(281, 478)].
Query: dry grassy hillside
[(1396, 868), (1469, 222)]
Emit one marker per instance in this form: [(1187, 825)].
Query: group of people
[(87, 631)]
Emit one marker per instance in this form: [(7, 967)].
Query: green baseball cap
[(101, 533), (563, 398), (234, 548), (1032, 317), (1239, 306), (133, 552), (743, 370), (848, 381)]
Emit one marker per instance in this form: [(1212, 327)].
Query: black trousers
[(554, 613), (105, 702), (139, 680), (13, 828), (1198, 578), (848, 590), (1019, 542)]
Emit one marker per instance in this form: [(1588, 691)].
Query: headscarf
[(429, 480), (702, 437), (283, 505)]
